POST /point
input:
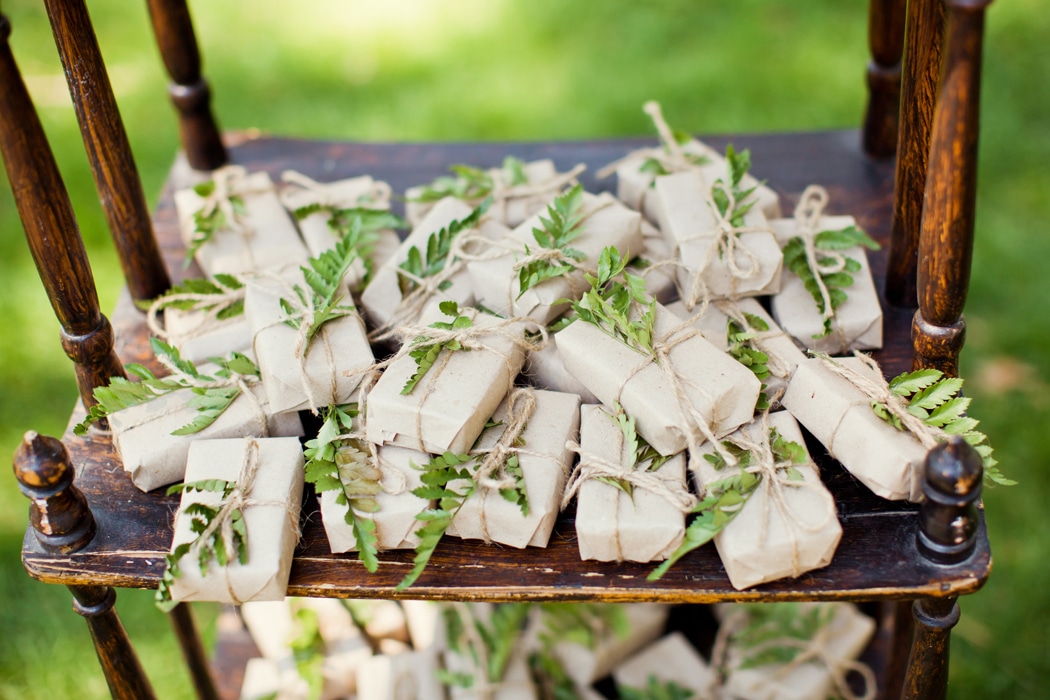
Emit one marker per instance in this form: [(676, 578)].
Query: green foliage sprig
[(340, 464), (576, 623), (323, 278), (558, 230), (623, 310), (209, 401), (743, 349), (205, 226), (227, 290), (644, 456), (308, 651), (439, 247), (425, 351), (934, 398), (738, 164), (360, 224), (471, 184), (210, 548), (836, 282), (656, 165), (725, 498), (655, 690), (499, 637), (775, 622)]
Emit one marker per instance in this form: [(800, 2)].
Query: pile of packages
[(527, 345), (379, 650)]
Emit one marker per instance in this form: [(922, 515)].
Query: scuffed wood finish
[(108, 150), (184, 623), (190, 92), (922, 65), (52, 232), (946, 241), (927, 677), (886, 39), (948, 520), (877, 559)]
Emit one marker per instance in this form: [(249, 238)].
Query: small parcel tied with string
[(827, 299), (649, 674), (539, 267), (238, 522), (235, 223), (769, 514), (155, 419), (485, 658), (794, 651), (308, 337), (629, 350), (202, 318)]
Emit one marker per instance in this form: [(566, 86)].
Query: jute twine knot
[(412, 304), (243, 382), (216, 304), (229, 181), (777, 365), (810, 209), (492, 472)]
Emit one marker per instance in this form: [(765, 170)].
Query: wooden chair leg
[(922, 65), (927, 677), (189, 91), (106, 141), (185, 625), (52, 232), (886, 39)]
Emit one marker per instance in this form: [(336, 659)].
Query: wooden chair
[(103, 533)]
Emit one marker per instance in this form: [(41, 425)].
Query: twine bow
[(492, 472), (810, 209)]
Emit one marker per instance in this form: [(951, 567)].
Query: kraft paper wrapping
[(612, 526), (656, 264), (395, 520), (496, 284), (842, 640), (382, 297), (199, 339), (516, 683), (355, 192), (672, 659), (408, 676), (269, 239), (689, 224), (886, 460), (784, 355), (509, 211), (545, 369), (153, 457), (722, 390), (544, 462), (772, 538), (426, 627), (449, 406), (337, 358), (857, 323), (272, 532)]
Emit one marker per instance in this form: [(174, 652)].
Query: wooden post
[(108, 150), (198, 131), (886, 39), (922, 65), (946, 240), (185, 625), (52, 232), (62, 522)]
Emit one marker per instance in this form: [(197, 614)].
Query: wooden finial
[(952, 486), (59, 514)]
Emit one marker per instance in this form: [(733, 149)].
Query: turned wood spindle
[(886, 40), (109, 153), (946, 238), (52, 231), (190, 92), (921, 69), (63, 523)]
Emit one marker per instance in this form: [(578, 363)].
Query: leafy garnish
[(738, 164), (211, 397), (743, 349), (205, 226), (655, 690), (360, 224), (499, 636), (425, 351), (308, 651), (471, 184), (644, 456), (585, 624), (439, 246), (323, 278), (341, 464), (561, 227), (623, 310), (779, 622), (227, 290)]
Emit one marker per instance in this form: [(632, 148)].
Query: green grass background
[(545, 69)]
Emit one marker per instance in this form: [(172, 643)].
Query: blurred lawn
[(545, 69)]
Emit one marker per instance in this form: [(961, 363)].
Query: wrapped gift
[(324, 212), (153, 456), (820, 640), (235, 223), (426, 267), (486, 659), (299, 372), (255, 520), (840, 310), (656, 263), (395, 517), (545, 370), (447, 407), (626, 509), (719, 258), (837, 411), (523, 454), (518, 189), (495, 273), (694, 392), (788, 524), (409, 676), (672, 659), (199, 336)]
